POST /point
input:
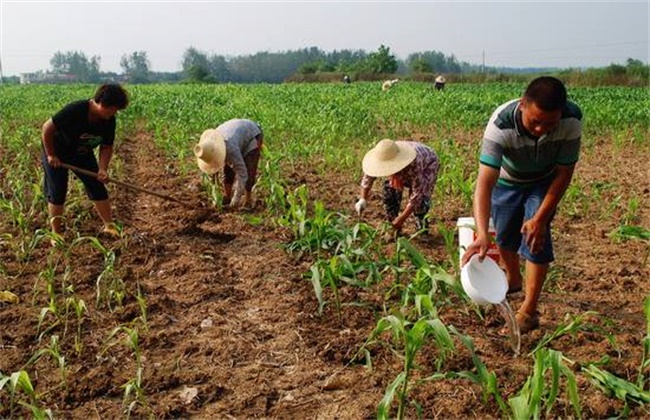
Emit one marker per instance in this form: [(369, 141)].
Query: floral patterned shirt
[(419, 176)]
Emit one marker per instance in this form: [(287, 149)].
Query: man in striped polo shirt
[(528, 155)]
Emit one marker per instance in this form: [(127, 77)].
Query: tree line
[(312, 64)]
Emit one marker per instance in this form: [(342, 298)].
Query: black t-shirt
[(75, 134)]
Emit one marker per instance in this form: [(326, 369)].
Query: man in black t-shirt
[(70, 137)]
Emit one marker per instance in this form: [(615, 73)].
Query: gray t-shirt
[(240, 136)]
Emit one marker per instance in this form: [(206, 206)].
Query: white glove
[(360, 206), (237, 196)]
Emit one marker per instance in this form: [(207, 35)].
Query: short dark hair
[(112, 94), (547, 92)]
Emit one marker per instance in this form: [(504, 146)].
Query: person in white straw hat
[(406, 164), (234, 147)]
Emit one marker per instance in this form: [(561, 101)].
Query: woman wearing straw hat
[(406, 164), (234, 146)]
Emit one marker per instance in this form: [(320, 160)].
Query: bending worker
[(406, 164), (234, 146)]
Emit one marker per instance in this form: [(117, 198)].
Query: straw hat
[(210, 152), (387, 158)]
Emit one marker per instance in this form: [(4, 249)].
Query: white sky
[(514, 34)]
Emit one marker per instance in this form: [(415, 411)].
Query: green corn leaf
[(383, 409)]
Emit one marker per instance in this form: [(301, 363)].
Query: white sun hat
[(210, 152), (484, 282), (387, 158)]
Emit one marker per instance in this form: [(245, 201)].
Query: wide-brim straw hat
[(387, 158), (210, 152)]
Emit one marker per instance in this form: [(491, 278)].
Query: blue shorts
[(55, 183), (511, 207)]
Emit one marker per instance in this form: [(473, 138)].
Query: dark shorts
[(55, 183), (511, 207)]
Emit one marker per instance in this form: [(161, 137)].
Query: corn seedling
[(631, 215), (572, 326), (428, 280), (449, 238), (535, 396), (20, 382), (142, 304), (54, 352), (134, 385), (79, 307), (133, 388), (408, 339), (613, 386), (483, 377), (51, 308), (629, 232)]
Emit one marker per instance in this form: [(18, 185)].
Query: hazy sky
[(515, 34)]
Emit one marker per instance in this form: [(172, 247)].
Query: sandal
[(111, 230), (526, 323)]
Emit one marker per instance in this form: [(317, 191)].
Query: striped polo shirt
[(523, 159)]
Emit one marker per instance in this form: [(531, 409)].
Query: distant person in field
[(440, 82), (406, 165), (529, 152), (346, 79), (234, 147), (70, 136)]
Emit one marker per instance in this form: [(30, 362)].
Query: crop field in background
[(299, 308)]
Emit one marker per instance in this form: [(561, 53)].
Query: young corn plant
[(631, 232), (622, 389), (80, 309), (53, 308), (54, 352), (482, 376), (429, 282), (133, 389), (109, 287), (573, 325), (142, 304), (20, 382), (537, 396), (449, 238), (408, 339), (614, 386)]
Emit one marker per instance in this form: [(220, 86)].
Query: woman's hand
[(53, 161), (102, 176)]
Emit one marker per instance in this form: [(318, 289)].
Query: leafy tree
[(136, 67), (219, 69), (196, 65), (435, 61), (637, 68), (77, 64), (198, 73), (420, 66), (381, 61)]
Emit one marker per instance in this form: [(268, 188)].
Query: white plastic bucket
[(484, 282), (467, 235)]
